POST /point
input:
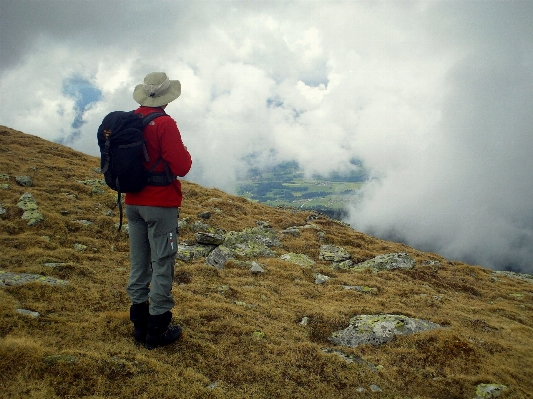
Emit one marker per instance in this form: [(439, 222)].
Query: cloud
[(432, 96)]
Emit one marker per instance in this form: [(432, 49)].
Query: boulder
[(379, 329), (209, 238), (31, 211), (298, 259), (189, 253), (392, 261), (333, 253), (219, 257), (24, 181)]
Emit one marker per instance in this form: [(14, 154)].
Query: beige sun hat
[(157, 90)]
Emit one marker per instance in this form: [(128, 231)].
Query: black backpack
[(123, 149)]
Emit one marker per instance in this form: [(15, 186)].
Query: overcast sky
[(434, 96)]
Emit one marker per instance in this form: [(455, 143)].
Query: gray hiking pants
[(153, 245)]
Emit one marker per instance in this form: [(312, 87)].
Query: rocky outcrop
[(8, 278), (392, 261), (31, 210), (379, 329)]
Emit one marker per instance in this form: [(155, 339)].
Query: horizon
[(433, 97)]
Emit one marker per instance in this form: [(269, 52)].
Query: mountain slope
[(246, 335)]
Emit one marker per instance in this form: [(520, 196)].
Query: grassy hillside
[(243, 332)]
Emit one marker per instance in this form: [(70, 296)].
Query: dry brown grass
[(81, 345)]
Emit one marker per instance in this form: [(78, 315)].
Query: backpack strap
[(157, 178)]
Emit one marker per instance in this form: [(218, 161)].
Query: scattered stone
[(213, 385), (379, 329), (293, 231), (304, 321), (83, 222), (298, 259), (360, 389), (4, 176), (4, 186), (360, 288), (3, 211), (333, 253), (392, 261), (8, 279), (321, 279), (204, 215), (219, 257), (256, 268), (347, 264), (375, 388), (31, 210), (489, 391), (54, 265), (27, 312), (24, 181), (98, 185), (258, 335), (190, 253), (209, 238), (263, 224), (519, 276), (124, 229), (80, 247)]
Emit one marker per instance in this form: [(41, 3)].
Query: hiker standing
[(153, 217)]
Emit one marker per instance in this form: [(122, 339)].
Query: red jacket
[(163, 139)]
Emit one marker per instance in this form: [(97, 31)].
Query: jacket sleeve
[(173, 151)]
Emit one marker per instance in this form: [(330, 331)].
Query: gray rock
[(80, 247), (4, 176), (3, 211), (298, 259), (256, 268), (489, 391), (333, 253), (392, 261), (24, 181), (219, 257), (190, 253), (519, 276), (8, 278), (321, 279), (4, 186), (209, 238), (31, 211), (27, 312), (292, 231), (375, 388), (379, 329), (360, 288), (98, 185), (204, 215)]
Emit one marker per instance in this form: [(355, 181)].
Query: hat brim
[(140, 96)]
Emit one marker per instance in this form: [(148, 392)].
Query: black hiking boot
[(140, 316), (171, 335), (160, 333)]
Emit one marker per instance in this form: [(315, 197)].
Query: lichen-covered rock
[(519, 276), (8, 278), (97, 185), (24, 181), (189, 253), (379, 329), (298, 259), (321, 279), (489, 391), (333, 253), (209, 238), (252, 242), (3, 211), (392, 261), (219, 257), (31, 210)]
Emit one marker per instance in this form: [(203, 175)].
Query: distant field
[(288, 187)]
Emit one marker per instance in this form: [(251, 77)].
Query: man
[(153, 217)]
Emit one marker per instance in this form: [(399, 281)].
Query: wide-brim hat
[(157, 90)]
